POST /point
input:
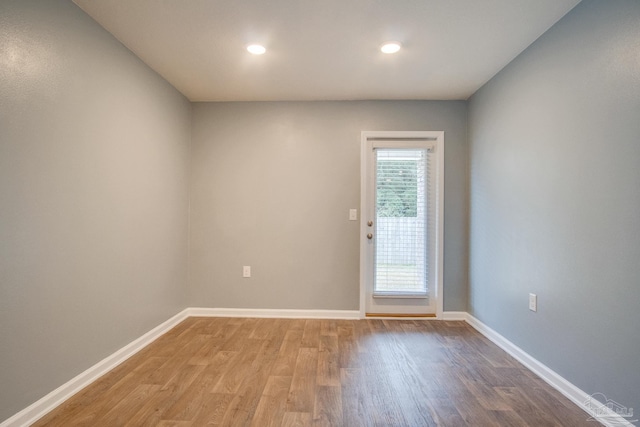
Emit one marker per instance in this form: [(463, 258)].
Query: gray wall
[(94, 154), (555, 199), (271, 187)]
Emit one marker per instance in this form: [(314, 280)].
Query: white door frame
[(367, 138)]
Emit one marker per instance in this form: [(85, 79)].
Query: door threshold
[(400, 315)]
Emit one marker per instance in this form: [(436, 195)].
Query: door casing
[(367, 141)]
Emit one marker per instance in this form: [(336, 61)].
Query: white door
[(401, 228)]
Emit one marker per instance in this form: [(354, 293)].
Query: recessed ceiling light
[(256, 49), (390, 47)]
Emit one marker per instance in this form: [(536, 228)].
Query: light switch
[(246, 271), (353, 214), (533, 302)]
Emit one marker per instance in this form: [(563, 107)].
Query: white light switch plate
[(353, 214), (246, 271), (533, 302)]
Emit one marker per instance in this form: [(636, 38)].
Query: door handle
[(369, 236), (370, 223)]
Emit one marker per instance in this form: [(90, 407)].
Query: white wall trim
[(454, 315), (273, 313), (570, 391), (52, 400), (40, 408)]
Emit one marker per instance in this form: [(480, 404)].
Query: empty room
[(323, 213)]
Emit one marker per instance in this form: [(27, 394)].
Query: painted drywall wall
[(94, 155), (555, 199), (271, 187)]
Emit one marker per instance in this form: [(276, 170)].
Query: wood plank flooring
[(284, 372)]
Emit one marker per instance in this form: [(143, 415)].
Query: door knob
[(370, 223), (369, 236)]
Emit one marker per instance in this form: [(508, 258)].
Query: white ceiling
[(326, 49)]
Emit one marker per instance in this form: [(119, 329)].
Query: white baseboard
[(37, 410), (584, 401), (455, 315), (49, 402), (273, 313)]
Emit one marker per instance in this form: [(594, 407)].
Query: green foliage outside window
[(397, 188)]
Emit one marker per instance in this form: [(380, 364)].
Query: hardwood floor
[(283, 372)]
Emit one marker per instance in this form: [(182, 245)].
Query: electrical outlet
[(246, 271), (533, 302)]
